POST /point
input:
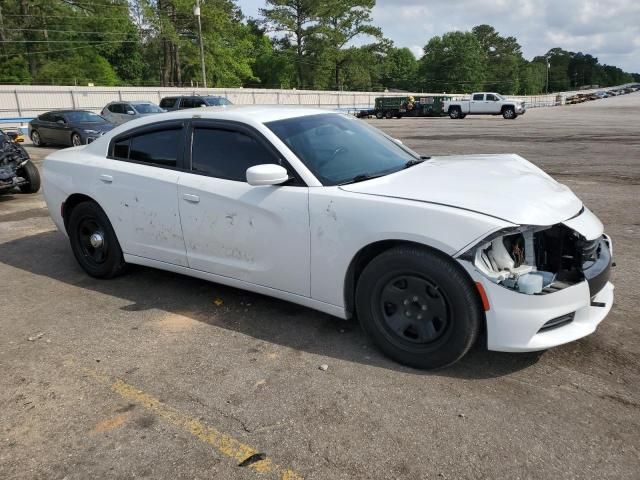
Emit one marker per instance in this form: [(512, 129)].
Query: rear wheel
[(418, 307), (93, 241), (454, 113), (76, 140), (30, 173), (388, 115), (379, 115)]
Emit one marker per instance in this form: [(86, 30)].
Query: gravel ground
[(156, 375)]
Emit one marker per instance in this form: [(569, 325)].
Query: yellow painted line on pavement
[(221, 442)]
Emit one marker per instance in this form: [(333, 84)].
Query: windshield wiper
[(362, 177), (415, 161)]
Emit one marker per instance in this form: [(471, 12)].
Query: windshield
[(216, 101), (338, 148), (84, 117), (147, 108)]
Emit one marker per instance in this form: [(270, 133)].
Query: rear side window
[(157, 147), (478, 96), (168, 102), (227, 154), (46, 117), (116, 108)]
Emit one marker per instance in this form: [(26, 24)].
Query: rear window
[(168, 102)]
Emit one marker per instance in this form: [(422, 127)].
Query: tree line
[(304, 44)]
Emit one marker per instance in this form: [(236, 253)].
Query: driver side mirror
[(266, 174)]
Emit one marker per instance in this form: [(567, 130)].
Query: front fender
[(343, 223)]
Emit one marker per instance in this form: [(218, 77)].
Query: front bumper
[(517, 322)]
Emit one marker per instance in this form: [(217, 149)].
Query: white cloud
[(607, 29)]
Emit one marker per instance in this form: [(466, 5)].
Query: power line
[(48, 30), (68, 41), (58, 50)]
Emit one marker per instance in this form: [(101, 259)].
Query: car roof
[(242, 113), (67, 111)]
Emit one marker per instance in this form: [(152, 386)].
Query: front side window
[(84, 117), (491, 97), (478, 97), (217, 101), (339, 148), (226, 154), (147, 108)]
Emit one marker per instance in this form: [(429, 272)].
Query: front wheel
[(418, 306), (36, 139), (93, 241), (509, 113), (30, 173)]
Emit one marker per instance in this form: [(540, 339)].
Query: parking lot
[(157, 375)]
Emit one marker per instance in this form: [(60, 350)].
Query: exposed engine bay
[(542, 260)]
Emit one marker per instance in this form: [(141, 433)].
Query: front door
[(256, 234)]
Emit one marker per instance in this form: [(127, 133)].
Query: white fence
[(30, 101)]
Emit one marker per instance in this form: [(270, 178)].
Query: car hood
[(503, 186), (100, 127)]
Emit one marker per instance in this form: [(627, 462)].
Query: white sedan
[(321, 209)]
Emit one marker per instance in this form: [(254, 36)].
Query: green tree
[(297, 20), (454, 62), (503, 56), (400, 69), (340, 22)]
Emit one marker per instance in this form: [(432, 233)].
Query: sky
[(607, 29)]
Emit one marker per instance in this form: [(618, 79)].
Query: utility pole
[(548, 68), (196, 12)]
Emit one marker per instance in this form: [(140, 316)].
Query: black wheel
[(76, 139), (379, 115), (509, 113), (388, 115), (454, 113), (418, 306), (93, 241), (30, 173), (462, 116), (36, 139)]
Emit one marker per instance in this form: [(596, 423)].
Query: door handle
[(191, 198), (106, 178)]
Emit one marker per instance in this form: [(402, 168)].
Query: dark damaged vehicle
[(16, 169)]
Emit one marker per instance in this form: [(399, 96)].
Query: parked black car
[(67, 127), (16, 169), (193, 101)]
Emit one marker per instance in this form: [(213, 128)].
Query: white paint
[(296, 243)]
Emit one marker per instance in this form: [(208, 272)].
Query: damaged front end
[(12, 158), (542, 260)]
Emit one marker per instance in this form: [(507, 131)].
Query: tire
[(462, 116), (379, 115), (388, 115), (30, 173), (454, 113), (105, 261), (76, 140), (402, 285), (36, 139), (509, 113)]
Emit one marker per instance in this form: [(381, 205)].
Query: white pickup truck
[(484, 103)]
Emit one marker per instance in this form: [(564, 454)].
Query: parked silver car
[(121, 112)]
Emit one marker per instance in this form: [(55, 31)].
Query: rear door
[(44, 127), (476, 104), (138, 186), (259, 234)]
